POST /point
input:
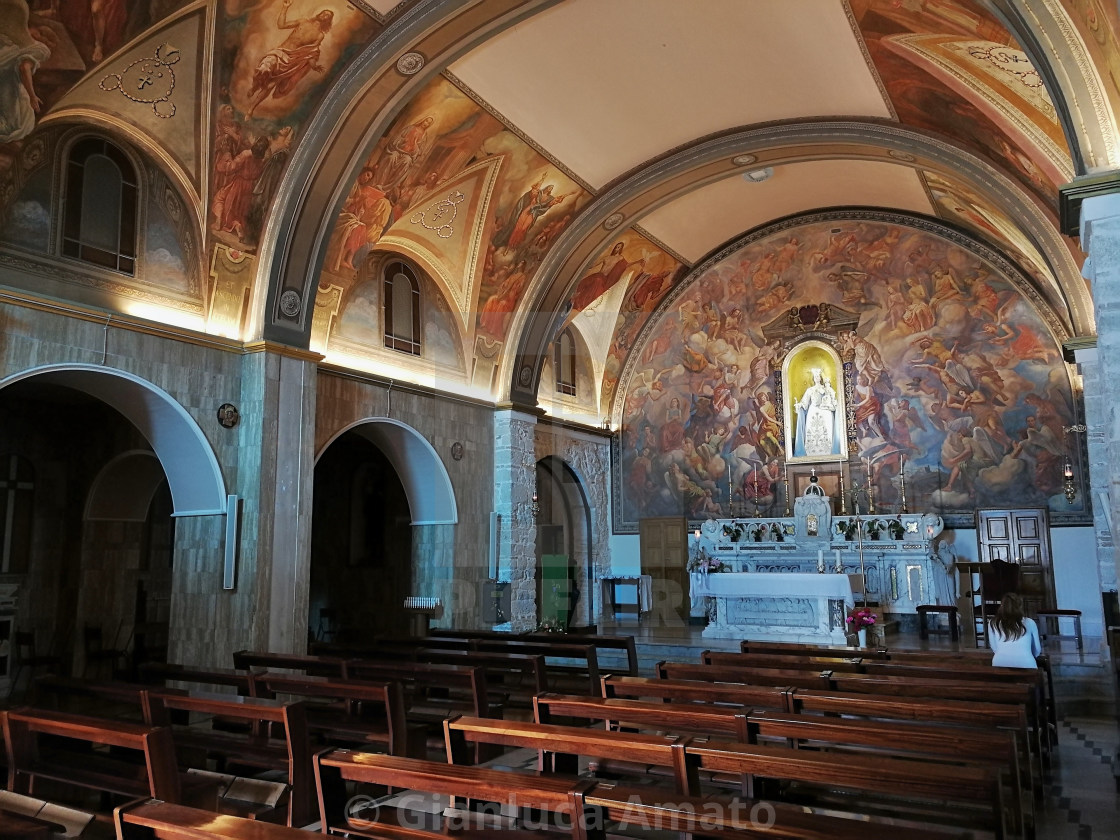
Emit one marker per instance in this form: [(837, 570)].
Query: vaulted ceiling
[(673, 128)]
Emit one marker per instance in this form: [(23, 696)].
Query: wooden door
[(664, 555), (1020, 536)]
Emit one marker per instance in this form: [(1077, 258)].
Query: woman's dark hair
[(1009, 617)]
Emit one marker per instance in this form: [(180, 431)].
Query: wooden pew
[(623, 644), (432, 691), (923, 740), (336, 768), (792, 677), (277, 740), (852, 663), (614, 714), (162, 673), (98, 698), (965, 795), (695, 691), (808, 649), (559, 748), (315, 666), (150, 772), (642, 810), (154, 820), (354, 712)]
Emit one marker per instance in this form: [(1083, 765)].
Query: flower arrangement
[(778, 534), (733, 531), (860, 618), (847, 527), (551, 625), (895, 529), (874, 527), (703, 563)]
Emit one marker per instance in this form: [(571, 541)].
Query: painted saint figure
[(816, 419), (282, 67)]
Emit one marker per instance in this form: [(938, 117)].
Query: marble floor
[(1082, 799)]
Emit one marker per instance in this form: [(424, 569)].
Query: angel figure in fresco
[(282, 67), (530, 207), (21, 53)]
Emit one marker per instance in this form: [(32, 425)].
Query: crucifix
[(10, 487)]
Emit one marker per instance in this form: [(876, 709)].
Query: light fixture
[(1069, 488), (757, 176), (534, 506)]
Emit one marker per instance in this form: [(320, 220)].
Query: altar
[(787, 607), (790, 578)]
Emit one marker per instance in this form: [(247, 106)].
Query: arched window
[(402, 308), (565, 363), (99, 222)]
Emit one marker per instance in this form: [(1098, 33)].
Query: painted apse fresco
[(498, 200), (946, 365)]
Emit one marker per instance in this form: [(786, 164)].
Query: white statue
[(816, 419), (944, 556)]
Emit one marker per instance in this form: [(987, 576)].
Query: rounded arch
[(431, 498), (192, 470), (125, 487)]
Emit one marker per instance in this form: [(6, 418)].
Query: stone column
[(1096, 440), (278, 394), (1100, 239), (515, 481)]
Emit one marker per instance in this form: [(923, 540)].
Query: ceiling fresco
[(948, 369)]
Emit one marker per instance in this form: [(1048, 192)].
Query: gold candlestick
[(902, 482), (843, 503), (788, 511)]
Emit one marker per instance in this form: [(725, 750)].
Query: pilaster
[(515, 473)]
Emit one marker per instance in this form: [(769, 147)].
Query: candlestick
[(788, 512), (839, 565), (843, 504), (820, 561), (902, 482)]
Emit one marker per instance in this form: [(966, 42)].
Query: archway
[(379, 488), (565, 594), (100, 507)]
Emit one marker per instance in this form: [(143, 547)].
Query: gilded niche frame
[(814, 405)]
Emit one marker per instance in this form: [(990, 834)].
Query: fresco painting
[(924, 102), (948, 367), (647, 287), (441, 133), (277, 56), (1098, 22)]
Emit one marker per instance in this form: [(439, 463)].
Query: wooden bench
[(694, 691), (964, 795), (923, 740), (148, 767), (512, 678), (104, 698), (277, 739), (154, 820), (162, 673), (621, 643), (339, 815), (792, 677), (645, 811), (316, 666), (346, 713), (616, 714), (852, 663)]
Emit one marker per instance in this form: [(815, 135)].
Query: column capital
[(1072, 197)]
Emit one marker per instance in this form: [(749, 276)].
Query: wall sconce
[(534, 506), (1068, 487)]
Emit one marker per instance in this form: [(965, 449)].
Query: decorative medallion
[(228, 415), (744, 160), (442, 215), (148, 81), (410, 63), (290, 304), (613, 220), (457, 451), (525, 377)]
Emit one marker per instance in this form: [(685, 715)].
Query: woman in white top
[(1014, 639)]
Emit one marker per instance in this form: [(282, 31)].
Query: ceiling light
[(757, 176)]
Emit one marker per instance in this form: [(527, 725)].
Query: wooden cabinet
[(664, 557), (1020, 536)]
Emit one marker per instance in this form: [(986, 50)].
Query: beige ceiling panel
[(698, 222), (606, 86)]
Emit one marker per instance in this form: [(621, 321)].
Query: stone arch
[(188, 460), (431, 498)]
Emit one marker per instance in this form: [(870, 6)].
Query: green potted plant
[(847, 528), (895, 529), (874, 527), (733, 532)]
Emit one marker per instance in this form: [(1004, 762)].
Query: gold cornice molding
[(279, 349)]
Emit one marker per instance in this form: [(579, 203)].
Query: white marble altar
[(784, 606)]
